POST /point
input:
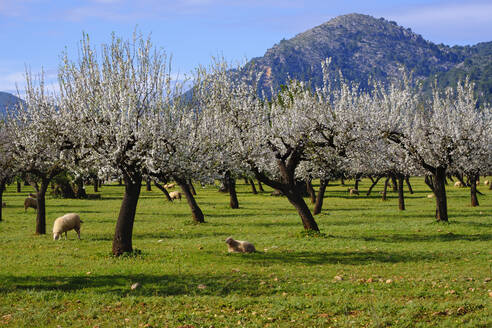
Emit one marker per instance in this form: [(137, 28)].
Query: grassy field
[(373, 266)]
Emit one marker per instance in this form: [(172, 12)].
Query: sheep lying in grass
[(239, 246), (353, 191), (175, 195), (65, 223), (30, 202), (458, 184)]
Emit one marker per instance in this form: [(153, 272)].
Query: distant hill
[(363, 47), (7, 100)]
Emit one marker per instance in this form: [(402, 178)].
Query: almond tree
[(7, 164), (435, 133), (271, 137), (40, 140), (114, 98)]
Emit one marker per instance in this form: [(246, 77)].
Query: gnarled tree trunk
[(407, 180), (80, 192), (231, 186), (295, 198), (385, 190), (2, 188), (310, 190), (318, 206), (260, 186), (374, 183), (253, 187), (41, 210), (439, 179), (401, 198), (473, 189), (164, 190), (196, 212), (192, 188), (122, 240)]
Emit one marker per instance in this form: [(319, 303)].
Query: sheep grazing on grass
[(30, 202), (486, 182), (175, 195), (458, 184), (65, 223), (170, 185), (353, 191), (239, 246)]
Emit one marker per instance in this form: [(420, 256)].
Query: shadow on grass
[(445, 237), (216, 284), (151, 285)]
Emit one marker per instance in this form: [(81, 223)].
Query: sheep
[(430, 196), (65, 223), (353, 191), (30, 202), (239, 246), (458, 184), (175, 195), (170, 185), (486, 182)]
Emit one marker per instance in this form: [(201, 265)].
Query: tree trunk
[(19, 186), (440, 193), (342, 181), (96, 184), (246, 181), (473, 189), (148, 184), (356, 185), (374, 183), (321, 194), (310, 190), (192, 188), (394, 183), (79, 182), (41, 208), (233, 202), (196, 212), (164, 190), (120, 182), (385, 190), (260, 186), (407, 180), (401, 199), (122, 241), (2, 188), (295, 198), (253, 188)]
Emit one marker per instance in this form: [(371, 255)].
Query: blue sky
[(35, 32)]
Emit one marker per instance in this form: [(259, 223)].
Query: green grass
[(372, 266)]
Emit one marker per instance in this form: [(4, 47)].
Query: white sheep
[(486, 182), (170, 185), (430, 196), (30, 202), (65, 223), (175, 195), (353, 191), (239, 246), (458, 184)]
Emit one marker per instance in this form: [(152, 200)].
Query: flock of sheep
[(72, 221)]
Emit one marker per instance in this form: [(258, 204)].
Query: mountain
[(363, 48), (7, 100)]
